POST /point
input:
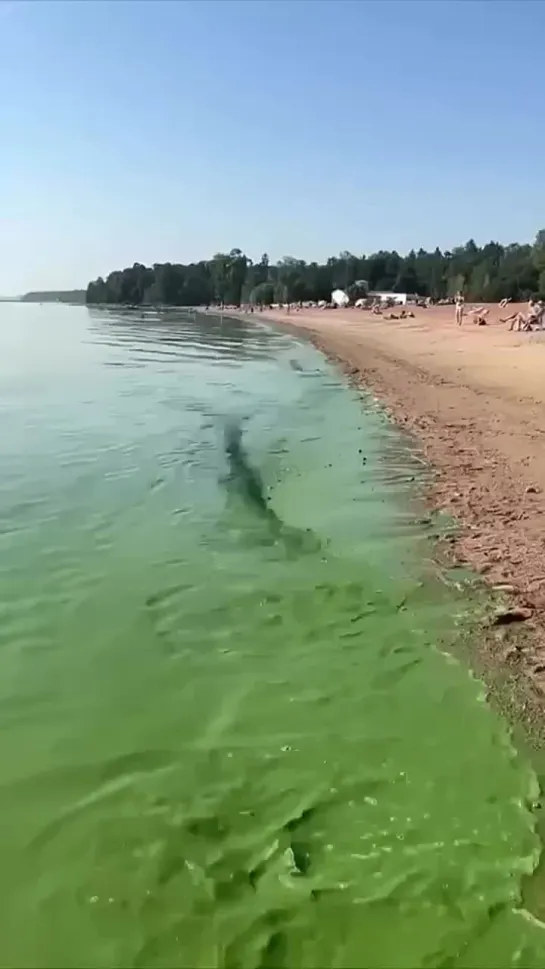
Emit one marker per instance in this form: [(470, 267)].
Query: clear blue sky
[(152, 131)]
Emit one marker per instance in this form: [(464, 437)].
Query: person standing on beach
[(459, 311)]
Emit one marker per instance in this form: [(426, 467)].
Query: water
[(217, 749)]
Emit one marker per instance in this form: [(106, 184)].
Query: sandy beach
[(474, 398)]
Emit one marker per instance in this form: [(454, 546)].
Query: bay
[(218, 746)]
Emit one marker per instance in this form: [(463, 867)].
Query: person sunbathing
[(525, 322), (479, 314), (534, 317), (516, 321)]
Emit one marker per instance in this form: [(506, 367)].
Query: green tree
[(490, 272), (358, 289), (263, 294)]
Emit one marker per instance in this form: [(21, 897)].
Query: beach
[(473, 397)]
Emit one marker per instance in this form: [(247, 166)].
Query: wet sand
[(474, 397)]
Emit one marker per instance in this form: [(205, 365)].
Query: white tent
[(339, 297)]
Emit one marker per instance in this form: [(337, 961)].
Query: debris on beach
[(514, 614)]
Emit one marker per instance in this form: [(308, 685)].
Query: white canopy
[(339, 297)]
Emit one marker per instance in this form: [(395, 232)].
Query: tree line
[(486, 273), (55, 296)]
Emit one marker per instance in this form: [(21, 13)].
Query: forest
[(486, 273)]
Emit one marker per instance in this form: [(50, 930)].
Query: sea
[(235, 727)]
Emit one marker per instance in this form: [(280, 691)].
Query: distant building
[(399, 298)]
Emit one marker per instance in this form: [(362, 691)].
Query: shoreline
[(473, 398)]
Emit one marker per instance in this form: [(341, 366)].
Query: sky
[(168, 131)]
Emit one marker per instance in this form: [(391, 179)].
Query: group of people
[(378, 308), (520, 321), (479, 313)]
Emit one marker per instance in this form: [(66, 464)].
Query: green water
[(215, 750)]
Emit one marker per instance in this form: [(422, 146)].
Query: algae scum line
[(234, 728)]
